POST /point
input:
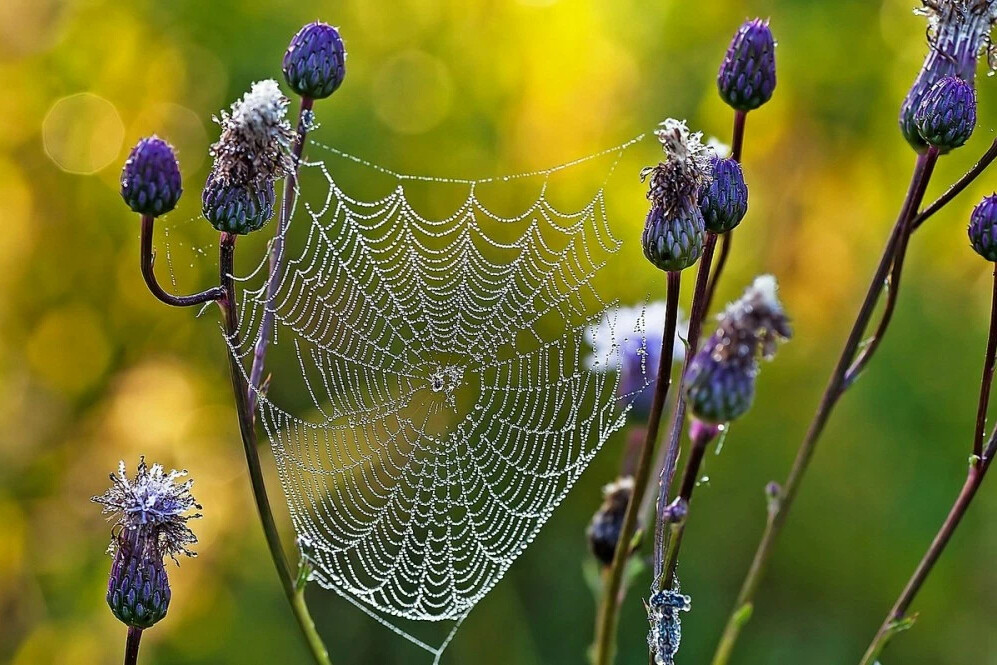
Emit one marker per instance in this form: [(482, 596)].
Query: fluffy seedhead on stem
[(674, 231), (720, 382), (958, 34)]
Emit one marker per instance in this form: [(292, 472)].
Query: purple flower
[(724, 202), (983, 228), (150, 179), (315, 61), (946, 117), (150, 514), (604, 529), (674, 230), (958, 33), (720, 382), (747, 74)]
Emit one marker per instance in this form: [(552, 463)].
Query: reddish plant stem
[(148, 258), (604, 648), (277, 256), (958, 186), (780, 505), (977, 472), (131, 645)]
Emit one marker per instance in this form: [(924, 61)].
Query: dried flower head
[(675, 182), (254, 147), (958, 34), (720, 382), (604, 529), (153, 506)]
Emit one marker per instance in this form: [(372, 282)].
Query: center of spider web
[(446, 379)]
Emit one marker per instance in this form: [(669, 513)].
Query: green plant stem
[(277, 257), (980, 463), (294, 594), (837, 385), (604, 647), (132, 644)]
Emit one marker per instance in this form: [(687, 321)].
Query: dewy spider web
[(453, 396)]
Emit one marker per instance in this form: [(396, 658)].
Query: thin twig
[(608, 616), (277, 256), (294, 594), (780, 506)]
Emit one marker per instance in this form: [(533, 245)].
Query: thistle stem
[(958, 186), (132, 644), (608, 617), (977, 472), (678, 415), (295, 595), (277, 256), (780, 506), (702, 437), (148, 258), (737, 146)]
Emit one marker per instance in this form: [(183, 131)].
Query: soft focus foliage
[(93, 369)]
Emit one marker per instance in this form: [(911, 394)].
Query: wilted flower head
[(254, 146), (604, 529), (720, 382), (958, 34), (150, 513), (747, 74), (629, 338), (674, 231)]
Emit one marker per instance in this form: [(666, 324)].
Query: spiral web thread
[(454, 398)]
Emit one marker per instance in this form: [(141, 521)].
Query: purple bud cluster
[(315, 61), (150, 179), (747, 74)]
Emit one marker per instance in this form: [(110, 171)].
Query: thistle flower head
[(150, 178), (315, 61), (724, 202), (747, 74), (720, 382), (153, 507), (239, 209), (254, 146), (958, 34), (983, 228), (675, 182), (946, 117), (604, 529)]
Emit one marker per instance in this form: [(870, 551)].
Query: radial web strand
[(439, 383)]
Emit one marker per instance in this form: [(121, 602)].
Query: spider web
[(452, 398)]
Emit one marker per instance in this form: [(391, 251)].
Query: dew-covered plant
[(257, 148)]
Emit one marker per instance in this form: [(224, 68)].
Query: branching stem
[(148, 258), (608, 617)]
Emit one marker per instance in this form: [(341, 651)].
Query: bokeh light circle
[(413, 92), (83, 133)]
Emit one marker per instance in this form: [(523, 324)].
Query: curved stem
[(702, 435), (294, 594), (779, 506), (277, 257), (958, 186), (148, 258), (893, 285), (678, 414), (131, 645), (608, 616)]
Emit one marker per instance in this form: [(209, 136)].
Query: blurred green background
[(93, 370)]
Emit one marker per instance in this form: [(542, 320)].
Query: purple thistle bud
[(254, 146), (235, 208), (983, 228), (747, 74), (946, 117), (150, 178), (958, 34), (724, 202), (315, 61), (720, 382), (674, 231), (604, 529), (150, 523)]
